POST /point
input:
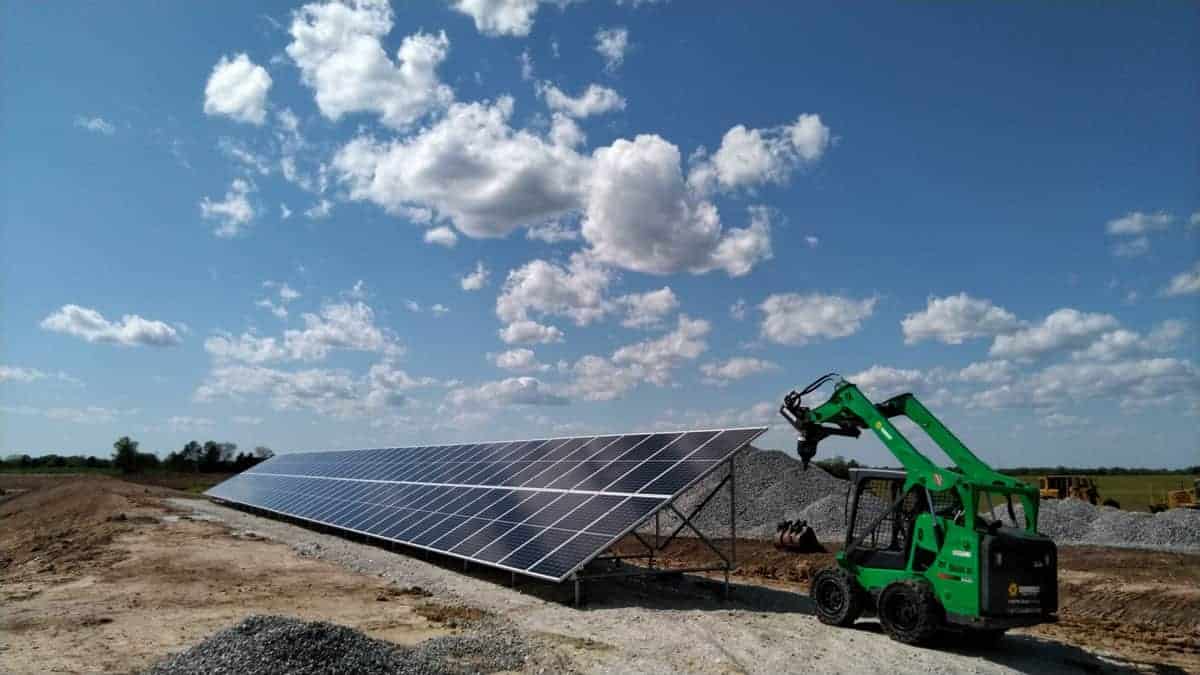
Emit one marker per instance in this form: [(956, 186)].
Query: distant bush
[(838, 466)]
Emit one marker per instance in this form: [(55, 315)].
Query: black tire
[(909, 612), (837, 597), (1113, 503)]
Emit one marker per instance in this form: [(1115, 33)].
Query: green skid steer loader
[(927, 548)]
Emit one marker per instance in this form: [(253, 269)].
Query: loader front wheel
[(909, 612), (837, 597)]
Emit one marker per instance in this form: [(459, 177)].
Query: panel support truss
[(725, 560)]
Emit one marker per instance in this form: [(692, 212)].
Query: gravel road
[(654, 627)]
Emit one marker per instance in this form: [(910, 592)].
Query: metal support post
[(733, 515), (732, 522)]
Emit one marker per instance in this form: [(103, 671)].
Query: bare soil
[(96, 575)]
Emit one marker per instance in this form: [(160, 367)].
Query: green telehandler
[(927, 548)]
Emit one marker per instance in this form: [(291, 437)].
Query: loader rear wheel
[(909, 612), (837, 597)]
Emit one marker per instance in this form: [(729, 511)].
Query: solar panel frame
[(397, 495)]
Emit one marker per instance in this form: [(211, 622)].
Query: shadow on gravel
[(691, 592), (1029, 654)]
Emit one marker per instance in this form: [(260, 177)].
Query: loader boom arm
[(848, 411)]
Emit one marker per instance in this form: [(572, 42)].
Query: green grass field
[(1134, 491)]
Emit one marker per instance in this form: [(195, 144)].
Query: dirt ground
[(99, 575), (1139, 603)]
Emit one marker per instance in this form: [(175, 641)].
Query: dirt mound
[(276, 644), (771, 486), (60, 528)]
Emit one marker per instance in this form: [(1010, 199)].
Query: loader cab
[(881, 519)]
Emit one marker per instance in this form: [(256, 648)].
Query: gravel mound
[(265, 645), (770, 487), (1074, 521)]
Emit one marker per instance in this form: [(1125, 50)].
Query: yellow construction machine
[(1072, 487), (1183, 498)]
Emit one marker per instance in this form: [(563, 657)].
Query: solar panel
[(542, 507)]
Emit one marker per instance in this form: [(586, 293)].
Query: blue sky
[(337, 226)]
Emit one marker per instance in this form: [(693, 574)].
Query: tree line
[(1098, 471), (195, 457), (839, 467)]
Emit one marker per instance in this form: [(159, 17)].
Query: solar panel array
[(541, 507)]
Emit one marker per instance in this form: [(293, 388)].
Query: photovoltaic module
[(542, 507)]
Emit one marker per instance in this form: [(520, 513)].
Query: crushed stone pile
[(770, 487), (1074, 521), (262, 645)]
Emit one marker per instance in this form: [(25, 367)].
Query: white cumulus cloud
[(879, 381), (90, 325), (1138, 223), (1135, 383), (641, 215), (520, 360), (988, 372), (1063, 329), (751, 157), (957, 318), (530, 332), (612, 44), (237, 89), (442, 236), (796, 319), (1123, 343), (471, 168), (499, 17), (544, 288), (736, 368), (509, 392), (595, 100), (232, 213), (1185, 283), (646, 310), (338, 48), (477, 279), (596, 378)]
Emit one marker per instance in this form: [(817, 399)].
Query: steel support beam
[(659, 544)]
